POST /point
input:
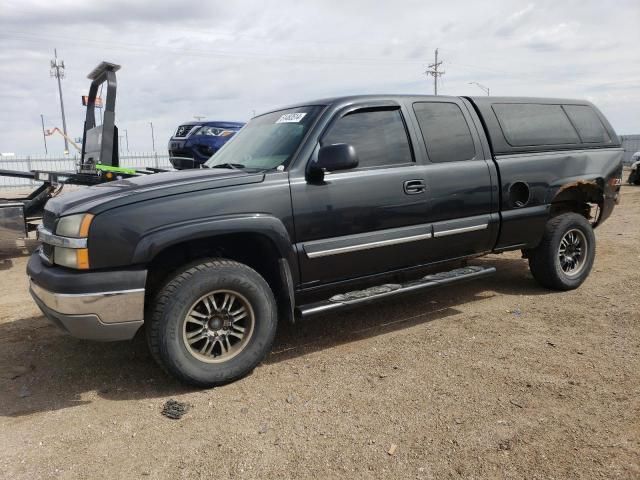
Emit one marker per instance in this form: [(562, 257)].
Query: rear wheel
[(212, 323), (565, 255)]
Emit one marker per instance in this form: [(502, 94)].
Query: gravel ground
[(494, 379)]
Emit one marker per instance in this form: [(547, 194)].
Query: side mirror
[(331, 158), (340, 156)]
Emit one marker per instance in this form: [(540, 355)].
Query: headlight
[(75, 226), (77, 258), (215, 132)]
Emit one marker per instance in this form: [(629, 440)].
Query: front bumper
[(105, 306)]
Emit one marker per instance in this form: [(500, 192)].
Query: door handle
[(412, 187)]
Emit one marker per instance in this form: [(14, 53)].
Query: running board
[(380, 292)]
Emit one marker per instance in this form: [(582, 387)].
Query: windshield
[(267, 141)]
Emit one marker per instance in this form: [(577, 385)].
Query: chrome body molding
[(46, 236), (368, 245), (108, 307), (455, 231), (393, 236)]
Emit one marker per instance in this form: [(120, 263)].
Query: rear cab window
[(445, 132), (379, 137)]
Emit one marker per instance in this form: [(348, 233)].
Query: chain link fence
[(69, 164)]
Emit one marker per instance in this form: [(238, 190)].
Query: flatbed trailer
[(99, 163)]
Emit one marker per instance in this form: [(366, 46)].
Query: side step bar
[(373, 294)]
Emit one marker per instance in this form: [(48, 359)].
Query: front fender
[(166, 236)]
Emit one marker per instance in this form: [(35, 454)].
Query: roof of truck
[(488, 108), (478, 100)]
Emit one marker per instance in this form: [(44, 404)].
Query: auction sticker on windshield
[(291, 117)]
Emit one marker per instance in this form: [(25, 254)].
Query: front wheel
[(212, 323), (565, 255)]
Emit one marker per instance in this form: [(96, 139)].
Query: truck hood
[(109, 195)]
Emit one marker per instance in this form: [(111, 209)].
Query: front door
[(370, 219)]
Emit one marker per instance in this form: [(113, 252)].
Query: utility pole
[(126, 137), (44, 135), (199, 117), (432, 70), (481, 87), (153, 139), (57, 71)]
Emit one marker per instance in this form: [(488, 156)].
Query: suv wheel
[(565, 255), (212, 323)]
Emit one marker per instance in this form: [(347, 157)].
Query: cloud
[(514, 21), (226, 59)]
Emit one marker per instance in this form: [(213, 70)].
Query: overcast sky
[(225, 60)]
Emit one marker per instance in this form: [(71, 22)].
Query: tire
[(545, 260), (221, 305)]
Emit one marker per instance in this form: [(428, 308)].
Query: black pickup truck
[(322, 206)]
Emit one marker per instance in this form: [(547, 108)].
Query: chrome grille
[(49, 220), (46, 251)]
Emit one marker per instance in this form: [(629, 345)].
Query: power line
[(57, 72), (257, 55), (372, 62), (432, 70)]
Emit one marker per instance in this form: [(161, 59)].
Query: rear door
[(370, 219), (461, 179)]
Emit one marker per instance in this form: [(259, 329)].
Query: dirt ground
[(494, 379)]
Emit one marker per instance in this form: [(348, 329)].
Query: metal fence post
[(29, 168)]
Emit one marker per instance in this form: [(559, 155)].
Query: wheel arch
[(259, 241), (578, 196)]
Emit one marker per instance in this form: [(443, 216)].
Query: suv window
[(587, 123), (379, 137), (445, 131), (532, 124)]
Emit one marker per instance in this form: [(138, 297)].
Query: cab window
[(379, 137)]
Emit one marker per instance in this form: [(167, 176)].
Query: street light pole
[(153, 140), (44, 136), (482, 87)]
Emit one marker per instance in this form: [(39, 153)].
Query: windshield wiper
[(234, 166)]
